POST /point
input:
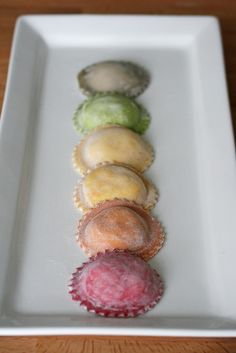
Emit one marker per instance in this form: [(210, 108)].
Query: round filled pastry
[(113, 144), (111, 181), (113, 76), (116, 284), (120, 224), (114, 109)]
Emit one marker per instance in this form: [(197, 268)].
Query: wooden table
[(226, 11)]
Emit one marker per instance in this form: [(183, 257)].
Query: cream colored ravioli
[(113, 76)]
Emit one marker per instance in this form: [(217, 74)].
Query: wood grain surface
[(225, 10)]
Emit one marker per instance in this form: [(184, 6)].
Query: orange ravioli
[(113, 144), (111, 181), (120, 224)]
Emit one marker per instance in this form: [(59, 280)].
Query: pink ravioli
[(116, 284)]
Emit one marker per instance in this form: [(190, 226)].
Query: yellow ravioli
[(111, 181)]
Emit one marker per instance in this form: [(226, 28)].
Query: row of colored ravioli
[(117, 230)]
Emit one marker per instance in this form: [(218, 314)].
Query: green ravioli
[(115, 109)]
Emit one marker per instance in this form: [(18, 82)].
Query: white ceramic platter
[(194, 170)]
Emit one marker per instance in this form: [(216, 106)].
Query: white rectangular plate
[(194, 170)]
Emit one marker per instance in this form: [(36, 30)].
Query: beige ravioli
[(113, 144), (111, 181)]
